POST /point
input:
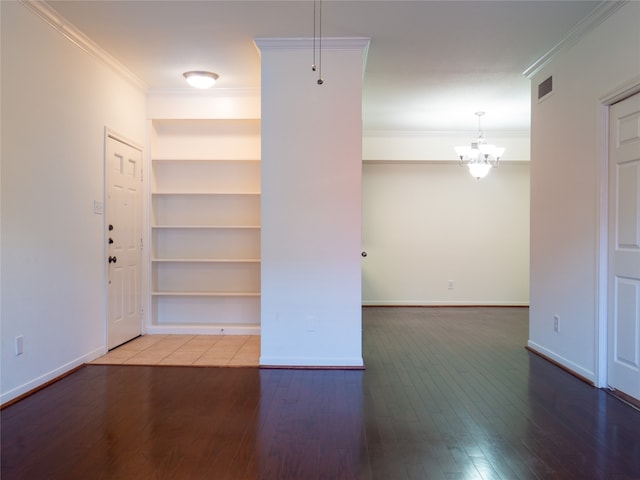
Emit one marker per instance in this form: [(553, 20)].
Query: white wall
[(425, 224), (56, 101), (567, 156), (311, 201), (438, 146)]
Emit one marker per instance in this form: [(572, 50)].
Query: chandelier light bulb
[(479, 170)]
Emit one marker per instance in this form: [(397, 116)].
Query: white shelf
[(204, 160), (205, 225), (195, 194), (209, 227), (206, 176), (206, 209), (205, 294), (206, 260)]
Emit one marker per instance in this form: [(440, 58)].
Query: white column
[(311, 203)]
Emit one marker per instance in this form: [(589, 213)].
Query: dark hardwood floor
[(447, 394)]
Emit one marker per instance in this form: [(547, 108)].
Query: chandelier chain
[(317, 40)]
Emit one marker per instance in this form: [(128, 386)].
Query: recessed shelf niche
[(205, 226)]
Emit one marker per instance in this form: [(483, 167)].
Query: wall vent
[(545, 88)]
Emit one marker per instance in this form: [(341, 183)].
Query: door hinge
[(141, 245), (142, 313)]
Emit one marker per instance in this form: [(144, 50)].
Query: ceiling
[(430, 64)]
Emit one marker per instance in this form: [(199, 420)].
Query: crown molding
[(443, 133), (59, 23), (605, 9), (209, 93), (308, 43), (436, 162)]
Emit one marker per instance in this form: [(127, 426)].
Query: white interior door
[(624, 247), (124, 256)]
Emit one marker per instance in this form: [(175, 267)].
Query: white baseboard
[(230, 329), (50, 375), (566, 363), (312, 362)]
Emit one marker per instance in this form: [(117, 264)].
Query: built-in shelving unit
[(205, 226)]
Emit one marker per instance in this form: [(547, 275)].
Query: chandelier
[(480, 156)]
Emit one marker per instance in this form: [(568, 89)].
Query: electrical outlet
[(311, 323), (450, 284), (556, 323), (19, 344)]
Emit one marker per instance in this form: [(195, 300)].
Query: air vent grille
[(545, 88)]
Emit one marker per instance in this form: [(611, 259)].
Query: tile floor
[(196, 350)]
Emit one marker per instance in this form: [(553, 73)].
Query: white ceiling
[(430, 65)]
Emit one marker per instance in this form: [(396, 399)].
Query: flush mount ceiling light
[(200, 79), (480, 156)]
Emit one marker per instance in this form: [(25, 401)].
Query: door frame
[(113, 134), (627, 89)]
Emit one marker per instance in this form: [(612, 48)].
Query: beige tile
[(147, 340), (219, 362), (200, 343), (214, 358), (180, 358), (171, 343), (244, 362), (140, 344), (219, 352), (234, 339), (245, 358), (199, 348), (250, 347), (114, 357), (205, 339), (146, 358), (228, 344), (202, 350)]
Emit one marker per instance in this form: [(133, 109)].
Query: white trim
[(307, 43), (602, 248), (147, 207), (625, 90), (230, 329), (66, 28), (108, 133), (441, 133), (144, 222), (443, 303), (215, 92), (51, 375), (311, 362), (437, 162), (574, 367), (586, 25)]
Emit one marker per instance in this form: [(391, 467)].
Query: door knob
[(113, 259), (110, 227), (110, 241), (364, 254)]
